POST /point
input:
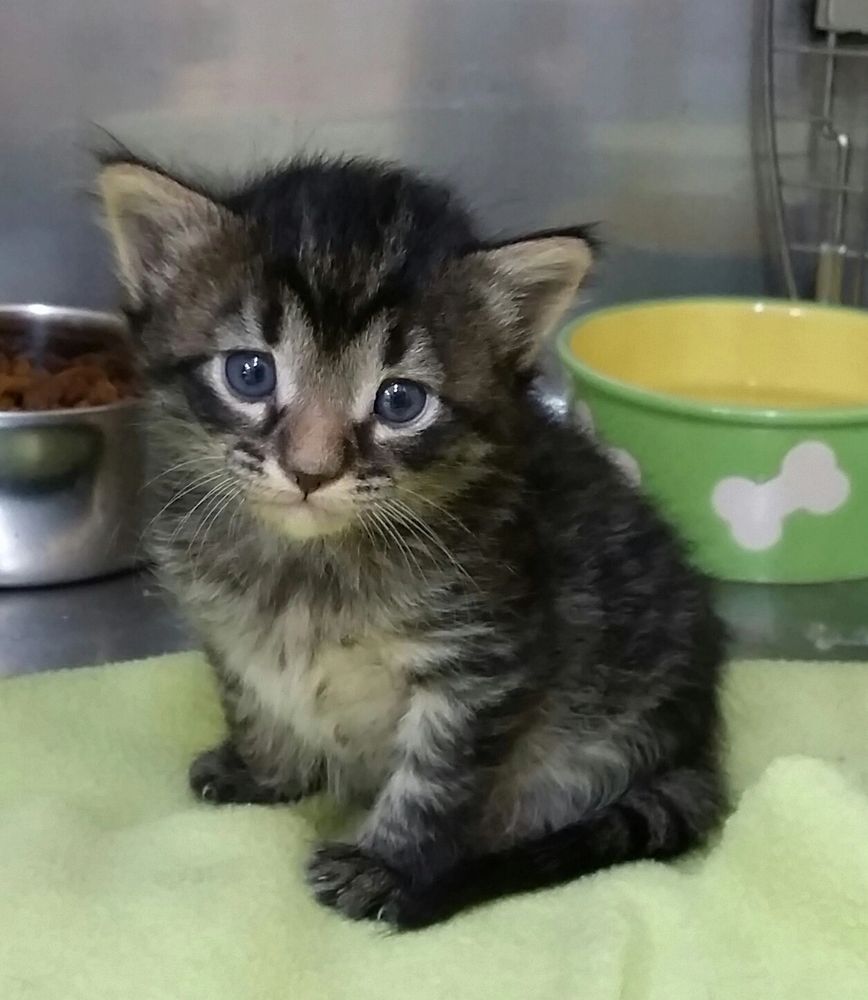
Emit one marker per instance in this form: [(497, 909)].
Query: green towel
[(114, 885)]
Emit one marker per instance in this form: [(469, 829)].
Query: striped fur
[(476, 628)]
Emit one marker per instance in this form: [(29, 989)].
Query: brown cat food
[(56, 383)]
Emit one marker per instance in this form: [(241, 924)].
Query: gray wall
[(634, 112)]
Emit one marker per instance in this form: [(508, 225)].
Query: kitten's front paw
[(358, 885), (221, 777)]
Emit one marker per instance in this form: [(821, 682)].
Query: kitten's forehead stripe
[(348, 241), (230, 308), (392, 292), (271, 316), (286, 272), (396, 344)]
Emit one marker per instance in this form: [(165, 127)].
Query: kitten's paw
[(358, 885), (220, 776)]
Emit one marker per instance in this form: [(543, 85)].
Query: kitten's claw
[(219, 777), (358, 885), (209, 792)]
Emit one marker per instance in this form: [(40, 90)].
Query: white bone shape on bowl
[(810, 480)]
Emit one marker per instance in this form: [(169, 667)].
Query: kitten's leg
[(658, 820), (416, 831), (251, 766)]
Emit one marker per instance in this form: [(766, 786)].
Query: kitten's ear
[(535, 279), (153, 221)]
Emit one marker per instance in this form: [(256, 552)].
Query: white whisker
[(401, 545), (174, 468), (210, 520), (436, 506), (200, 481), (233, 523), (224, 482), (410, 520)]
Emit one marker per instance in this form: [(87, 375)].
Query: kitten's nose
[(310, 482)]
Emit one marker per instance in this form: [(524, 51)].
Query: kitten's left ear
[(535, 279)]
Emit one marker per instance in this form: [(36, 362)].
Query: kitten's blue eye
[(250, 375), (400, 401)]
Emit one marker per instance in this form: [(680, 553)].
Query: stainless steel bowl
[(70, 480)]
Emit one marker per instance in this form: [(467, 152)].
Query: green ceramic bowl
[(746, 421)]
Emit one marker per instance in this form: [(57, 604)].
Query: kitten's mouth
[(300, 517)]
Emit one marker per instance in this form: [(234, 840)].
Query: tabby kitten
[(417, 589)]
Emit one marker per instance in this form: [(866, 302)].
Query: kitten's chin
[(301, 521)]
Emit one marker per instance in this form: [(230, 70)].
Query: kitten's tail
[(659, 821)]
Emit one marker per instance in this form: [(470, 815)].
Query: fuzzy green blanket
[(114, 885)]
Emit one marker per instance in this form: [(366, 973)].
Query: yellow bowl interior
[(756, 354)]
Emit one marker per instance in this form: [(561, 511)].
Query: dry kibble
[(13, 383), (102, 392), (94, 379)]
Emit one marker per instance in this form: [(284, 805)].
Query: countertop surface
[(128, 617), (124, 617)]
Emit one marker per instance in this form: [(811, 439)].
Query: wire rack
[(814, 92)]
